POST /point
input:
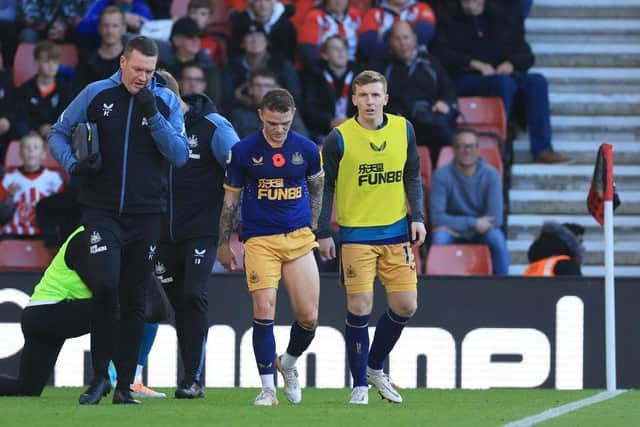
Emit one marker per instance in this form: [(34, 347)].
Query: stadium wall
[(469, 332)]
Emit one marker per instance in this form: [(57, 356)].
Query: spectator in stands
[(374, 33), (255, 56), (329, 18), (136, 13), (274, 18), (50, 19), (420, 89), (44, 97), (192, 80), (7, 108), (244, 116), (102, 62), (486, 53), (327, 88), (24, 187), (8, 29), (185, 42), (201, 11), (466, 201), (557, 251)]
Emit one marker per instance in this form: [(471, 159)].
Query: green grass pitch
[(322, 407)]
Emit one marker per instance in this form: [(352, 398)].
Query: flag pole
[(610, 296), (609, 279)]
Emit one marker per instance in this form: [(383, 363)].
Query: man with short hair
[(105, 60), (466, 201), (193, 79), (245, 117), (123, 192), (372, 167), (280, 173)]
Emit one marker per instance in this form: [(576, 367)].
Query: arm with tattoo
[(230, 207), (316, 185)]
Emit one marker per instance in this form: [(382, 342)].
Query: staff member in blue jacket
[(123, 190), (190, 232)]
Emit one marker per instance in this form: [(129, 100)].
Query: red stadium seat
[(418, 257), (24, 66), (425, 165), (238, 249), (484, 114), (12, 158), (459, 260), (27, 255)]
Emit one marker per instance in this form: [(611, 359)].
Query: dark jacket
[(423, 80), (95, 68), (132, 179), (556, 239), (7, 105), (212, 72), (34, 110), (237, 72), (493, 37), (320, 96), (195, 190), (280, 31)]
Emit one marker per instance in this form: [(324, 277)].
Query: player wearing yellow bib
[(60, 308), (372, 167)]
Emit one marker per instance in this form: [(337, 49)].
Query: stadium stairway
[(590, 52)]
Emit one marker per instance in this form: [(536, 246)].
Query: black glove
[(147, 101), (89, 166)]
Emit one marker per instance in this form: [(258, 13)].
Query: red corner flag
[(602, 186)]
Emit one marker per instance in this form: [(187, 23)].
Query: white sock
[(288, 361), (268, 381), (375, 371), (138, 377)]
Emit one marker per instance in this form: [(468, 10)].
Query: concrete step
[(587, 54), (598, 126), (527, 226), (626, 253), (568, 177), (602, 9), (598, 80), (610, 104), (565, 202), (582, 30), (582, 151), (589, 270)]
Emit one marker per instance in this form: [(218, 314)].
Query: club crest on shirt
[(193, 141), (259, 161), (159, 268), (297, 158), (95, 238)]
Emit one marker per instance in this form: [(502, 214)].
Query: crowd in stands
[(431, 52)]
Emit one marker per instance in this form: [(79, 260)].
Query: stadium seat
[(425, 165), (238, 249), (491, 154), (459, 260), (12, 158), (24, 255), (484, 114), (24, 67), (418, 257)]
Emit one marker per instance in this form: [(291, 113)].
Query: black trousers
[(45, 328), (122, 250), (183, 268)]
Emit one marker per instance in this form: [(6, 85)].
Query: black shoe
[(121, 397), (192, 391), (96, 391)]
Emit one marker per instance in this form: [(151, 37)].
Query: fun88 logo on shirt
[(273, 189)]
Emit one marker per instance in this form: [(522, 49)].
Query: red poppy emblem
[(278, 160)]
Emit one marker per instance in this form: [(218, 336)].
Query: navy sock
[(357, 340), (299, 339), (264, 345), (148, 337), (388, 331)]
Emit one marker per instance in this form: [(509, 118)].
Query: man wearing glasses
[(466, 201)]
